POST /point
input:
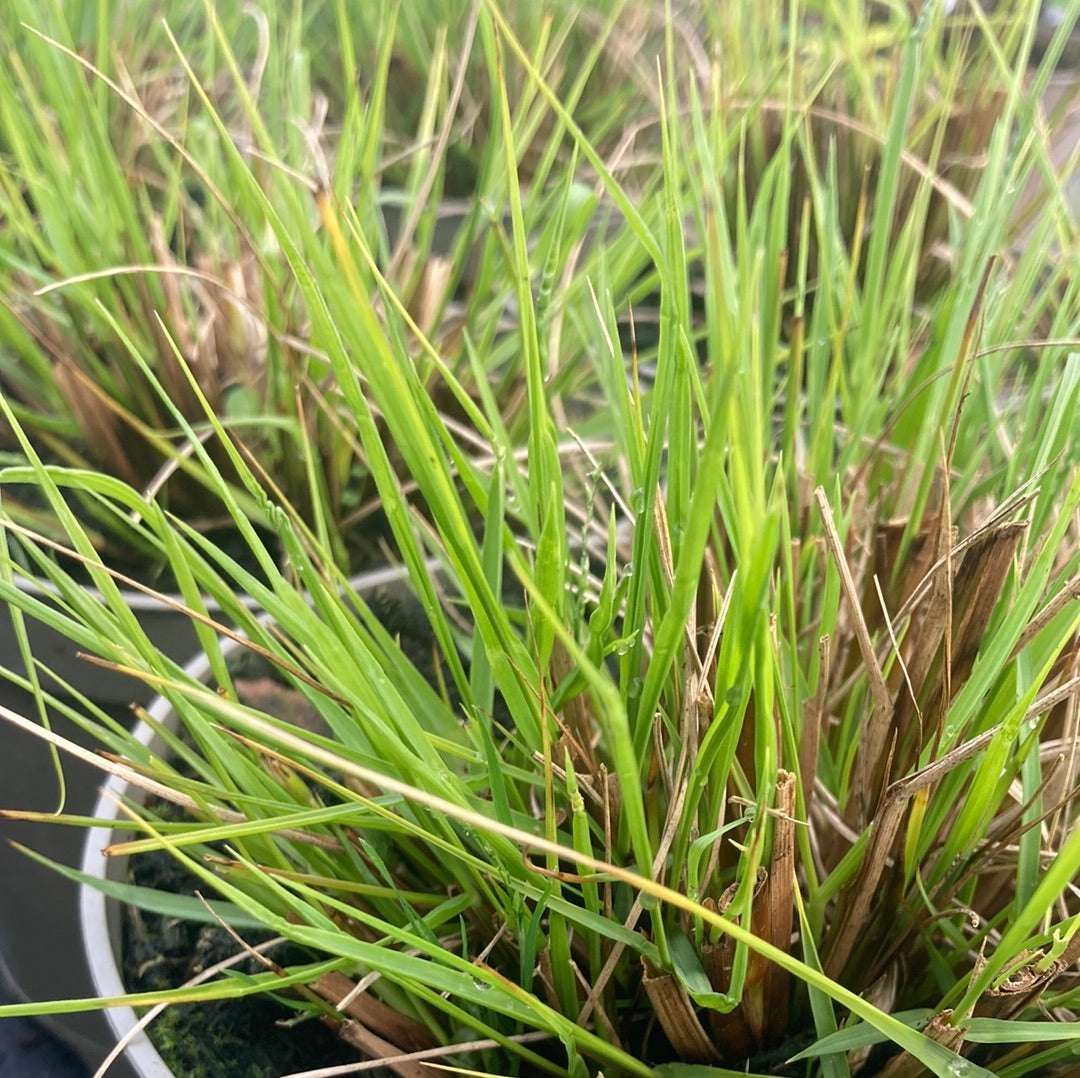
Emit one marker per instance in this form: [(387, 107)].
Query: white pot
[(100, 918)]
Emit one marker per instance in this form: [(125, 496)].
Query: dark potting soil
[(233, 1038)]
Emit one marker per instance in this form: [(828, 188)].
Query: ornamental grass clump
[(740, 735), (124, 221)]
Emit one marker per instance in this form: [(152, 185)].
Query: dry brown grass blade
[(1063, 778), (934, 631), (372, 1013), (882, 994), (98, 428), (778, 907), (132, 774), (610, 811), (1004, 832), (737, 1032), (977, 585), (899, 584), (859, 897), (677, 1016), (663, 541), (946, 628), (234, 298), (546, 976), (940, 1029), (1023, 986), (461, 1048), (949, 192), (374, 1046), (731, 1031), (427, 299), (111, 766), (603, 1021), (1022, 497), (815, 717), (876, 729), (222, 815), (1059, 602)]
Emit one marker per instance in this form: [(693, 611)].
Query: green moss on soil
[(235, 1038)]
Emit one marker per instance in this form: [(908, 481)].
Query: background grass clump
[(728, 445)]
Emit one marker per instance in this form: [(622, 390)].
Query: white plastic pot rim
[(101, 949)]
